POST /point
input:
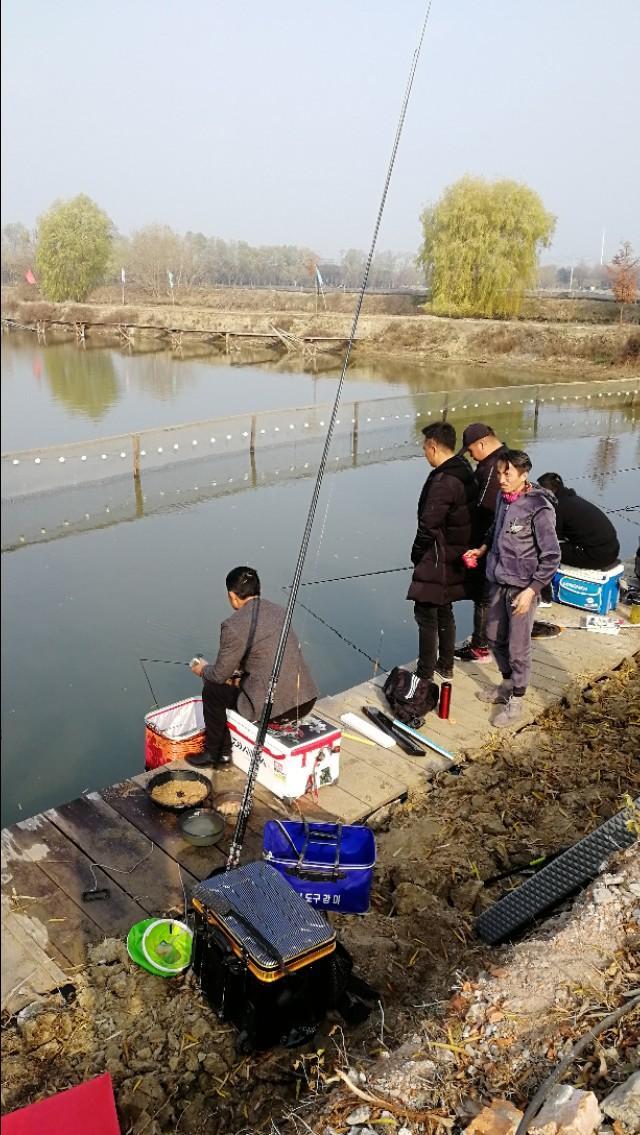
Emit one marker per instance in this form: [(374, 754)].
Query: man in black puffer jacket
[(587, 537), (445, 525)]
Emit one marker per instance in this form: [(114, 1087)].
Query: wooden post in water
[(252, 451), (136, 457), (445, 408), (139, 498), (536, 412), (354, 434)]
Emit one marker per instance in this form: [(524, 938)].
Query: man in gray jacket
[(523, 556), (239, 677)]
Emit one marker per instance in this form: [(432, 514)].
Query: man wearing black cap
[(485, 449)]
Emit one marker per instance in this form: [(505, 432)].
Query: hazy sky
[(273, 122)]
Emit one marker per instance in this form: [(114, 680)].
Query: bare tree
[(623, 274), (154, 251), (18, 252)]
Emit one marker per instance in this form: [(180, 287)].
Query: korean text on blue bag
[(330, 865)]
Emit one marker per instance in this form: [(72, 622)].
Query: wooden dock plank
[(72, 871), (49, 916), (410, 771), (27, 971), (135, 805), (132, 860)]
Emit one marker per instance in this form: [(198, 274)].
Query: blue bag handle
[(312, 833)]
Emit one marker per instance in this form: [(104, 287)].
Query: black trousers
[(480, 595), (436, 637), (480, 612), (575, 556), (217, 698)]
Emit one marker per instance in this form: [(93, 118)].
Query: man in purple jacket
[(523, 556)]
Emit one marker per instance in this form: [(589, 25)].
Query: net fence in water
[(60, 490), (99, 460)]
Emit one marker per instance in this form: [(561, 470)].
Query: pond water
[(80, 611)]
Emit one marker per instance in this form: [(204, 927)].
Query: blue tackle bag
[(329, 865)]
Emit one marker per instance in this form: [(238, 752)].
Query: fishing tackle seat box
[(297, 756), (595, 591), (329, 865), (263, 957)]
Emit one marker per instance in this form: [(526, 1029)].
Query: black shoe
[(201, 760), (469, 653), (444, 672)]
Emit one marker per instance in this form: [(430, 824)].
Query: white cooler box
[(595, 591), (296, 757)]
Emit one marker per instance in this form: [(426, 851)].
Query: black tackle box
[(264, 958)]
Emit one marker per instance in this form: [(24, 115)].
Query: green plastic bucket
[(162, 946)]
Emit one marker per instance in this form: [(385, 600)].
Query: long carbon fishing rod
[(247, 801)]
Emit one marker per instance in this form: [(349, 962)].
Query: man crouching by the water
[(523, 556), (239, 677)]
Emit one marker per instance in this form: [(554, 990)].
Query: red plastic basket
[(172, 732)]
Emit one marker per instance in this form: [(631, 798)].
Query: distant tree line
[(579, 277), (479, 255), (192, 258)]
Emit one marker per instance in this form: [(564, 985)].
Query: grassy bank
[(560, 346)]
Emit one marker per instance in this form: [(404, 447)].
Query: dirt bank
[(558, 347), (458, 1022)]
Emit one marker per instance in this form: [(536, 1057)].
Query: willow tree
[(481, 244), (72, 253)]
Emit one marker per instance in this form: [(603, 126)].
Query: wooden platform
[(118, 839)]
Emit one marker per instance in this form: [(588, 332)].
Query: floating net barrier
[(125, 455), (40, 518)]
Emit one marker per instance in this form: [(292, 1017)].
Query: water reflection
[(85, 381), (149, 385), (157, 374)]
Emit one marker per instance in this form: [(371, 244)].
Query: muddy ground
[(386, 329), (457, 1023)]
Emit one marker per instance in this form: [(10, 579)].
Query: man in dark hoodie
[(445, 527), (587, 537), (482, 445), (523, 556)]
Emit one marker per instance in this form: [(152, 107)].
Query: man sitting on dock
[(587, 537), (239, 677)]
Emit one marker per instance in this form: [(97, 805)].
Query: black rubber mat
[(567, 873)]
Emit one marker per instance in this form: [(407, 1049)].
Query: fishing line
[(163, 662), (375, 661), (245, 809), (360, 575), (320, 540)]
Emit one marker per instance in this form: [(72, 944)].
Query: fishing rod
[(404, 728), (254, 763)]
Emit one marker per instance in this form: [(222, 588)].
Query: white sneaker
[(496, 695), (509, 714), (544, 603)]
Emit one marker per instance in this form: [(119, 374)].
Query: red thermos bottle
[(445, 700)]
